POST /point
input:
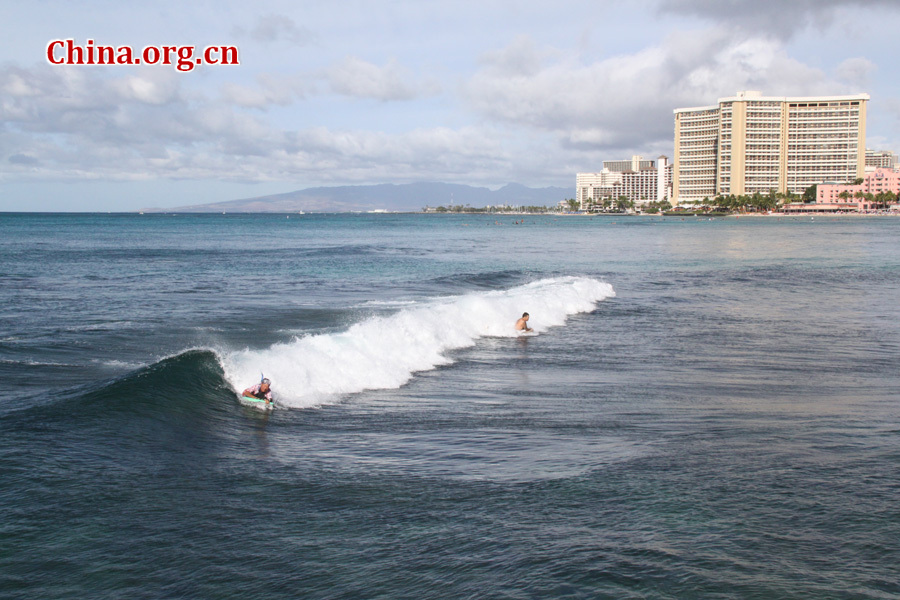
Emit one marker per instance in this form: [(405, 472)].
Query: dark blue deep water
[(722, 422)]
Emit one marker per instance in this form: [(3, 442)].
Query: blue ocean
[(706, 408)]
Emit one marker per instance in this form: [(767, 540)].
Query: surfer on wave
[(262, 391), (522, 324)]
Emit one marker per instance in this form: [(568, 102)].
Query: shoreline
[(734, 215)]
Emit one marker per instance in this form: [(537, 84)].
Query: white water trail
[(385, 352)]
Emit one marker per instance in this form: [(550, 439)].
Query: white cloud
[(153, 86), (276, 27), (361, 79), (78, 123), (270, 89), (855, 71), (351, 77), (522, 58), (626, 102)]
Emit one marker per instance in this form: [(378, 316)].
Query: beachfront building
[(640, 181), (592, 188), (752, 143), (852, 197), (880, 159), (696, 153)]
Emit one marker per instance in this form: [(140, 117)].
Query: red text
[(185, 58)]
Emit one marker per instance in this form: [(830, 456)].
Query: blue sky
[(344, 93)]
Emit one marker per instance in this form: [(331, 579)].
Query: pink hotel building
[(828, 194)]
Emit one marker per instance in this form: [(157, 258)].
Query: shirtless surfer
[(522, 324)]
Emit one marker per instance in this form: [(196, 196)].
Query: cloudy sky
[(355, 92)]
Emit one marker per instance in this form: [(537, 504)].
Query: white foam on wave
[(385, 352)]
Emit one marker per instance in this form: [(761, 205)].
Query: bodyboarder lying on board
[(262, 391)]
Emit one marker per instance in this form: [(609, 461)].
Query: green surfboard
[(259, 403)]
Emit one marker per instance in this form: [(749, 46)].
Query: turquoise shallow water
[(725, 425)]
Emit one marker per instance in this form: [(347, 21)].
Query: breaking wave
[(384, 352)]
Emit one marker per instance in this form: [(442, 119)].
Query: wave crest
[(385, 352)]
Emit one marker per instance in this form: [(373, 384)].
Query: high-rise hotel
[(753, 143), (639, 180)]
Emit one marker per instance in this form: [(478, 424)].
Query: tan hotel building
[(753, 143)]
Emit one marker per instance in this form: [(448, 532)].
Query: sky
[(362, 92)]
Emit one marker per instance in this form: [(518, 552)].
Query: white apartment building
[(880, 159), (592, 188), (636, 163), (752, 143), (637, 179), (696, 152)]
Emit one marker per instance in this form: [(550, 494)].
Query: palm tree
[(809, 194)]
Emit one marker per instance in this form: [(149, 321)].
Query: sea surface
[(706, 408)]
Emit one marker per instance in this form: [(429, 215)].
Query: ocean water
[(706, 409)]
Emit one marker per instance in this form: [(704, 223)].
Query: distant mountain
[(410, 197)]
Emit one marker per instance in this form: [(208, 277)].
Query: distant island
[(410, 197)]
